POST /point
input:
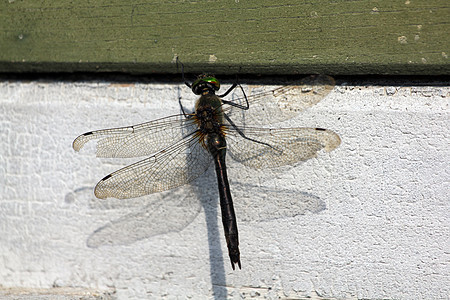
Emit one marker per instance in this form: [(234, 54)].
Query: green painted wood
[(228, 37)]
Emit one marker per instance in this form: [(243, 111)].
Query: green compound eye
[(205, 82), (212, 81)]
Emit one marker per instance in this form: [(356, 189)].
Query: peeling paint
[(402, 39), (212, 58)]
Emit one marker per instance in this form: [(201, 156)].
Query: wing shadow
[(174, 210)]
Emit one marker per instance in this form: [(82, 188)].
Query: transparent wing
[(176, 165), (138, 140), (271, 104), (268, 148)]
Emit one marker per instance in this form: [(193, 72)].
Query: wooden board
[(227, 37)]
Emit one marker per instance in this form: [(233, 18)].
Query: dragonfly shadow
[(174, 210), (210, 203), (170, 211), (261, 204)]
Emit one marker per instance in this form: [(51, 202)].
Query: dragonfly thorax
[(208, 119)]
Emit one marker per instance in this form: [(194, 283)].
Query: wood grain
[(227, 37)]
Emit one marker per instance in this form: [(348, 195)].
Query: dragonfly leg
[(182, 109), (182, 74), (244, 107), (229, 90), (243, 135)]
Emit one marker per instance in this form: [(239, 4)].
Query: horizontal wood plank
[(227, 37)]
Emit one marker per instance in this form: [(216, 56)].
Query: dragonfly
[(180, 148)]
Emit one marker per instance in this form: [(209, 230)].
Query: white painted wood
[(372, 216)]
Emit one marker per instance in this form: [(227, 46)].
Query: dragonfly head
[(205, 84)]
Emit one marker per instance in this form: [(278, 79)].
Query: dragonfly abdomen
[(217, 147)]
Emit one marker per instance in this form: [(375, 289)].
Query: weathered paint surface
[(371, 217)]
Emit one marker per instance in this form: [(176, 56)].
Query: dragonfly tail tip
[(238, 262)]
